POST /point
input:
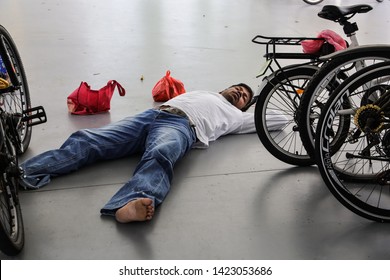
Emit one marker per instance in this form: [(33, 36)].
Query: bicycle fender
[(271, 76), (264, 81), (288, 68), (358, 49)]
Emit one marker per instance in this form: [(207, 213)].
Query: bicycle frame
[(272, 56), (352, 111), (283, 88), (271, 42), (358, 66)]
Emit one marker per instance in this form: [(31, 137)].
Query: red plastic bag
[(167, 88), (85, 101)]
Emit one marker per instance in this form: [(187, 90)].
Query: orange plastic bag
[(167, 88)]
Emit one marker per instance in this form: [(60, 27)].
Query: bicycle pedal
[(34, 116)]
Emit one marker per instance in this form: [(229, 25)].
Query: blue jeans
[(162, 139)]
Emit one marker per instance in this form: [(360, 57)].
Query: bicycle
[(336, 68), (14, 99), (16, 120), (281, 91), (354, 161)]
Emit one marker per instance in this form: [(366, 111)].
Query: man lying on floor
[(162, 135)]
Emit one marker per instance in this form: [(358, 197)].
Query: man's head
[(239, 95)]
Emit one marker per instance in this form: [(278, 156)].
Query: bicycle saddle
[(336, 13)]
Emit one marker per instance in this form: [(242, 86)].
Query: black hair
[(249, 89)]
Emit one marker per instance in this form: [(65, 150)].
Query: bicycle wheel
[(324, 82), (281, 95), (313, 2), (358, 171), (15, 99), (11, 222)]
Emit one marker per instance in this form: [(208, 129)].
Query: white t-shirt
[(213, 116)]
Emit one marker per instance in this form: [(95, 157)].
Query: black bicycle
[(16, 120), (353, 142), (283, 87)]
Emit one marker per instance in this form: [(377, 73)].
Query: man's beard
[(229, 98)]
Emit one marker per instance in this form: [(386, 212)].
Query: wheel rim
[(285, 99), (358, 173), (323, 91), (8, 208), (16, 101)]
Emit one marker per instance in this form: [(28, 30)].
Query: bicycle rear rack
[(272, 42), (271, 55)]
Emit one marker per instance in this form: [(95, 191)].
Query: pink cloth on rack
[(314, 46)]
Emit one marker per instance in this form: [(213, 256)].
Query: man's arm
[(275, 121), (248, 123)]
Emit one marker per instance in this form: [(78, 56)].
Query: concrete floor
[(232, 201)]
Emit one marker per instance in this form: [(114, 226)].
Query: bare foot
[(137, 210)]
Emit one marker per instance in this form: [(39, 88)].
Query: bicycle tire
[(321, 86), (313, 2), (19, 100), (284, 144), (11, 220), (357, 174)]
